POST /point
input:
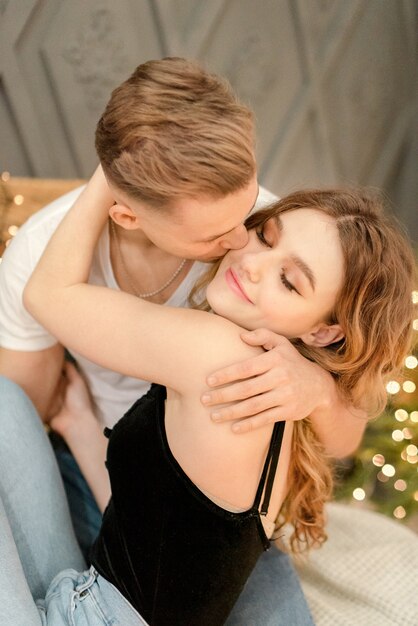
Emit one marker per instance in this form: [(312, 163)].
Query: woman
[(325, 270)]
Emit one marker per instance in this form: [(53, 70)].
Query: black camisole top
[(178, 558)]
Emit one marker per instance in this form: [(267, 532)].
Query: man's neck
[(139, 266)]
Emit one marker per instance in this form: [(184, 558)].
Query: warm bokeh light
[(378, 460), (409, 386), (414, 416), (382, 478), (411, 362), (400, 485), (407, 433), (359, 494), (18, 199), (393, 387), (399, 512), (401, 415), (12, 230), (397, 435), (388, 470)]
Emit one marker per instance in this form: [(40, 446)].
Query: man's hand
[(277, 385)]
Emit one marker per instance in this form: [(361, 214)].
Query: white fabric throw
[(366, 574)]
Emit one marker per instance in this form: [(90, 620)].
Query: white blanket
[(365, 575)]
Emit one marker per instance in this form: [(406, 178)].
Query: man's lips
[(234, 283)]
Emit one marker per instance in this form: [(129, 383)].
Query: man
[(177, 149)]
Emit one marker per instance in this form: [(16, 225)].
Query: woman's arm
[(172, 346)]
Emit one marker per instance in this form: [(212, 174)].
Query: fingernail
[(206, 398), (211, 380), (216, 416)]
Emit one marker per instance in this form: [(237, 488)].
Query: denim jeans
[(85, 514), (37, 542)]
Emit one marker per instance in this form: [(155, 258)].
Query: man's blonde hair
[(175, 130)]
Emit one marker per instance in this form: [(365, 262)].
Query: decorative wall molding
[(332, 82)]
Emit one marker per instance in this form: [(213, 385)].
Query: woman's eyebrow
[(305, 269), (300, 263)]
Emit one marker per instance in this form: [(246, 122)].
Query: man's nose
[(236, 239)]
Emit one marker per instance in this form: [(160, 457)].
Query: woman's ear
[(323, 335), (123, 216)]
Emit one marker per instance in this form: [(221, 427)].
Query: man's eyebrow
[(213, 237), (300, 263)]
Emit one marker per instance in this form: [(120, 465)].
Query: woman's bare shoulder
[(215, 342)]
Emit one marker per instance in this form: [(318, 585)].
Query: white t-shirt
[(112, 393)]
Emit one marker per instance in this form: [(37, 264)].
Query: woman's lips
[(233, 282)]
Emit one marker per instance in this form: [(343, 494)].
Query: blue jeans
[(85, 514), (37, 542)]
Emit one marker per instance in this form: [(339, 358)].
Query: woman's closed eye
[(287, 283), (261, 236)]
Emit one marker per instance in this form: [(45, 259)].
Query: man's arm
[(282, 385), (38, 373)]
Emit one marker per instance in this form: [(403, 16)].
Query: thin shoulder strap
[(269, 469)]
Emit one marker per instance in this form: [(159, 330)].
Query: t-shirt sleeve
[(264, 198), (18, 329)]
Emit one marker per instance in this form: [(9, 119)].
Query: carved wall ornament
[(252, 70), (96, 57)]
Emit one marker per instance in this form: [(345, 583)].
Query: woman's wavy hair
[(374, 309)]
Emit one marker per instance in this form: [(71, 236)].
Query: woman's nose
[(250, 265)]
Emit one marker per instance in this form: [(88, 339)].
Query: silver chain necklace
[(149, 294)]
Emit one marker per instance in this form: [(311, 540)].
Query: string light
[(401, 415), (400, 485), (415, 324), (359, 494), (411, 362), (5, 176), (388, 470), (378, 460), (18, 199), (411, 450), (415, 297), (382, 478), (407, 433), (393, 387), (397, 435), (416, 496), (409, 386), (414, 417), (399, 512), (12, 230)]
